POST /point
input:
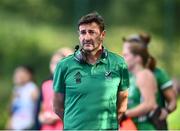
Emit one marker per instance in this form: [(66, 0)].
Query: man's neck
[(93, 56)]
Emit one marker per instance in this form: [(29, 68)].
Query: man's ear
[(103, 33), (78, 35)]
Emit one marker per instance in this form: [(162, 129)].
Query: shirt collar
[(104, 56)]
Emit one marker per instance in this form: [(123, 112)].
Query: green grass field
[(173, 118)]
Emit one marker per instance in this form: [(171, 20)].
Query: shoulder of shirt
[(31, 85), (159, 71), (46, 81), (67, 59), (50, 78)]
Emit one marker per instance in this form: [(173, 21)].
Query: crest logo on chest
[(78, 77)]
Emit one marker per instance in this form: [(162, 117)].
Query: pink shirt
[(47, 105)]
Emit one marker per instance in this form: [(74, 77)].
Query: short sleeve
[(58, 79), (124, 80), (163, 79)]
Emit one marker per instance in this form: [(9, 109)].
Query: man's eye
[(83, 32), (91, 32)]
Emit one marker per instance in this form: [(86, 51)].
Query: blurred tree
[(149, 15), (160, 17)]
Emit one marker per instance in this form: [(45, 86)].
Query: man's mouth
[(87, 43)]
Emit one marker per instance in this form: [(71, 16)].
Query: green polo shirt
[(91, 91)]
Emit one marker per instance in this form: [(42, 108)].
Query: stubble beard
[(94, 47)]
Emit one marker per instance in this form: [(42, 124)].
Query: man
[(91, 85)]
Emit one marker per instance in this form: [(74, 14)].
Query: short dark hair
[(90, 18)]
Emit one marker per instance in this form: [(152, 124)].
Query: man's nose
[(87, 36)]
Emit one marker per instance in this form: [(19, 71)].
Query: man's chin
[(88, 49)]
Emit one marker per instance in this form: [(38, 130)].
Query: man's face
[(90, 37)]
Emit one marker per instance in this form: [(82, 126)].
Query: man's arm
[(58, 104), (122, 103)]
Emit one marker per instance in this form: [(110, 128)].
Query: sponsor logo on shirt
[(108, 75)]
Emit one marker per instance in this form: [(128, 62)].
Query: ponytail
[(146, 38), (151, 63)]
